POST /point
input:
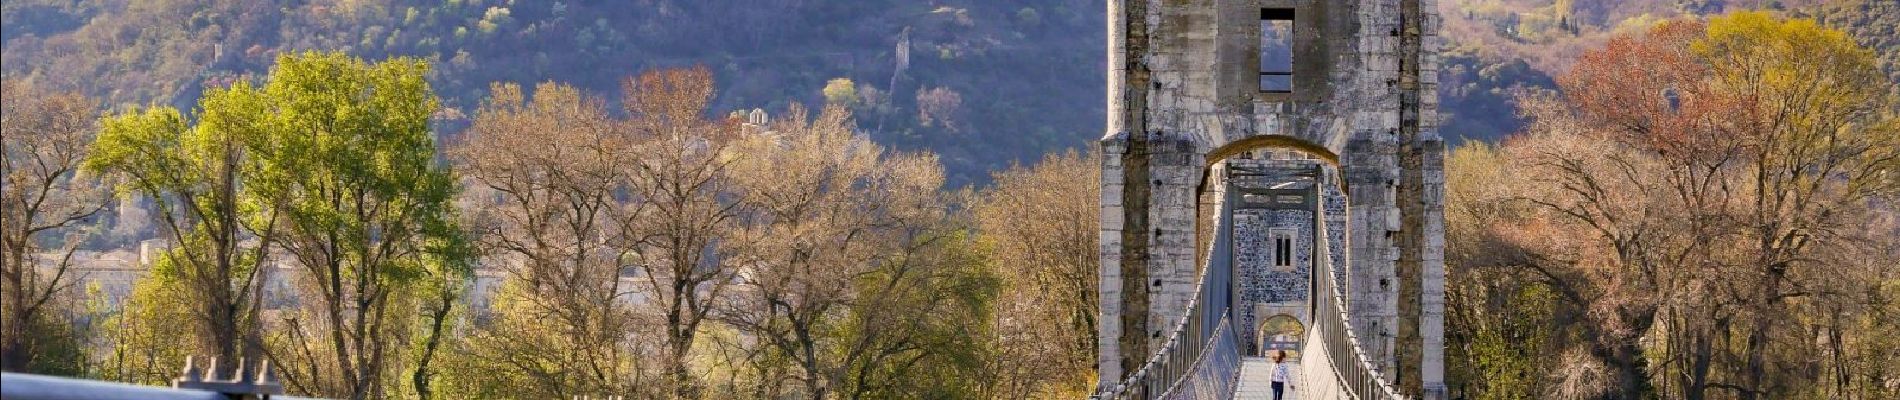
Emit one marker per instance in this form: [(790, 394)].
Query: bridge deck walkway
[(1256, 379)]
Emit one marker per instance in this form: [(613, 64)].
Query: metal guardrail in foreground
[(15, 386), (41, 387), (193, 385)]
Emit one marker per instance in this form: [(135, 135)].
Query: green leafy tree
[(330, 162), (923, 328), (841, 91), (154, 329), (192, 175), (345, 167)]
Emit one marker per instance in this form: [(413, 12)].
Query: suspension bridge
[(1219, 350), (1272, 183)]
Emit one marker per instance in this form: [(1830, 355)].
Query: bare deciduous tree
[(544, 178), (1039, 225), (1699, 193), (938, 106), (833, 224), (681, 207), (47, 136)]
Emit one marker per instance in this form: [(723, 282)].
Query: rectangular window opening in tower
[(1282, 251), (1276, 50)]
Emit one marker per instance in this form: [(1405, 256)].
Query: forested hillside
[(1875, 23), (989, 82), (1495, 47), (1000, 81)]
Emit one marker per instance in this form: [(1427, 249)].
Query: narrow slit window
[(1282, 252), (1276, 50)]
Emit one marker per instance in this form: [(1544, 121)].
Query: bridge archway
[(1204, 192), (1252, 143), (1281, 332)]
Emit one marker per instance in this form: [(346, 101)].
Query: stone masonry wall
[(1258, 280), (1183, 84)]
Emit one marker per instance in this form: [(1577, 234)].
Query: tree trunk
[(13, 346), (814, 375), (683, 387), (1835, 353), (1702, 353), (1756, 369), (681, 340), (226, 307), (439, 316), (1626, 361)]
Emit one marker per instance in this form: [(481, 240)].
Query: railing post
[(241, 384)]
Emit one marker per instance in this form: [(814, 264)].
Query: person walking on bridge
[(1280, 373)]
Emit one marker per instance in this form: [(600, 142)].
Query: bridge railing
[(1217, 372), (1197, 335), (1350, 365), (1188, 353)]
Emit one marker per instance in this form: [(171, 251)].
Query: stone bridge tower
[(1348, 82)]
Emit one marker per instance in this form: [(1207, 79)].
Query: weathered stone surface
[(1184, 83)]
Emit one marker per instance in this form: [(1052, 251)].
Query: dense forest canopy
[(1029, 73), (1495, 48)]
